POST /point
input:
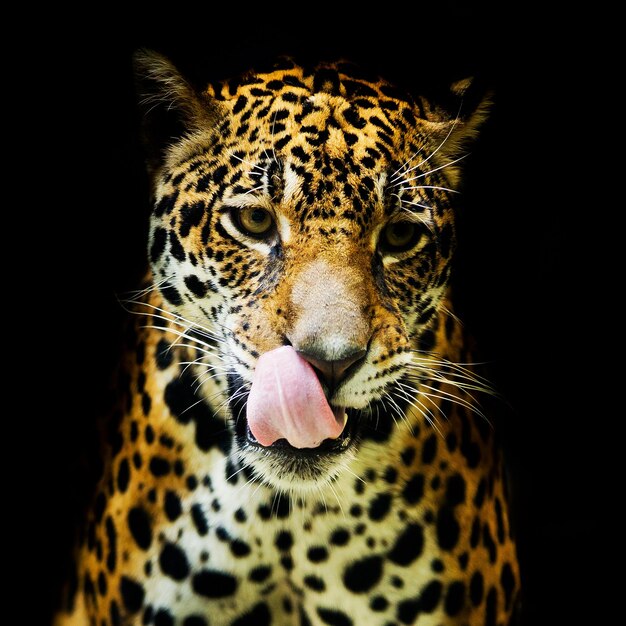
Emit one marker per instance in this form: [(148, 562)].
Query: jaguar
[(299, 437)]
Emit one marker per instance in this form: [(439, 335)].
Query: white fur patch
[(292, 183)]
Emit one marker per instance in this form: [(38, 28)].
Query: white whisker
[(253, 190), (432, 154), (331, 487), (253, 165), (412, 203), (436, 169), (445, 395), (417, 187), (347, 469), (422, 409), (451, 314)]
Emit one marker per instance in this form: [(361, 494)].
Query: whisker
[(397, 172), (347, 469), (440, 167), (272, 135), (432, 154), (253, 189), (197, 348), (423, 410), (412, 203), (420, 219), (396, 408), (140, 293), (176, 319), (451, 314), (277, 496), (194, 325), (205, 377), (412, 394), (179, 334), (241, 469), (214, 370), (418, 187), (451, 365), (444, 395), (322, 497), (254, 165), (437, 375)]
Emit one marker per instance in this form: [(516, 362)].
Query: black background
[(522, 278)]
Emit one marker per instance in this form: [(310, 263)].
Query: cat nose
[(332, 372)]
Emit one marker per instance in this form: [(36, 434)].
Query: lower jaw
[(298, 470), (295, 474)]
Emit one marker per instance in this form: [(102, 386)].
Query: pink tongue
[(287, 402)]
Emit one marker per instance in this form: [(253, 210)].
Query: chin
[(297, 474)]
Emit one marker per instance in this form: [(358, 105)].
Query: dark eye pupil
[(399, 230), (258, 216)]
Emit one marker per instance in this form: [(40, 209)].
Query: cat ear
[(170, 107), (454, 118)]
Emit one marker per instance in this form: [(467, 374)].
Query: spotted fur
[(405, 520)]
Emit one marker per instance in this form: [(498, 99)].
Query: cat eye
[(253, 221), (400, 236)]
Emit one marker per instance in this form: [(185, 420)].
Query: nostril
[(333, 372), (341, 367)]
